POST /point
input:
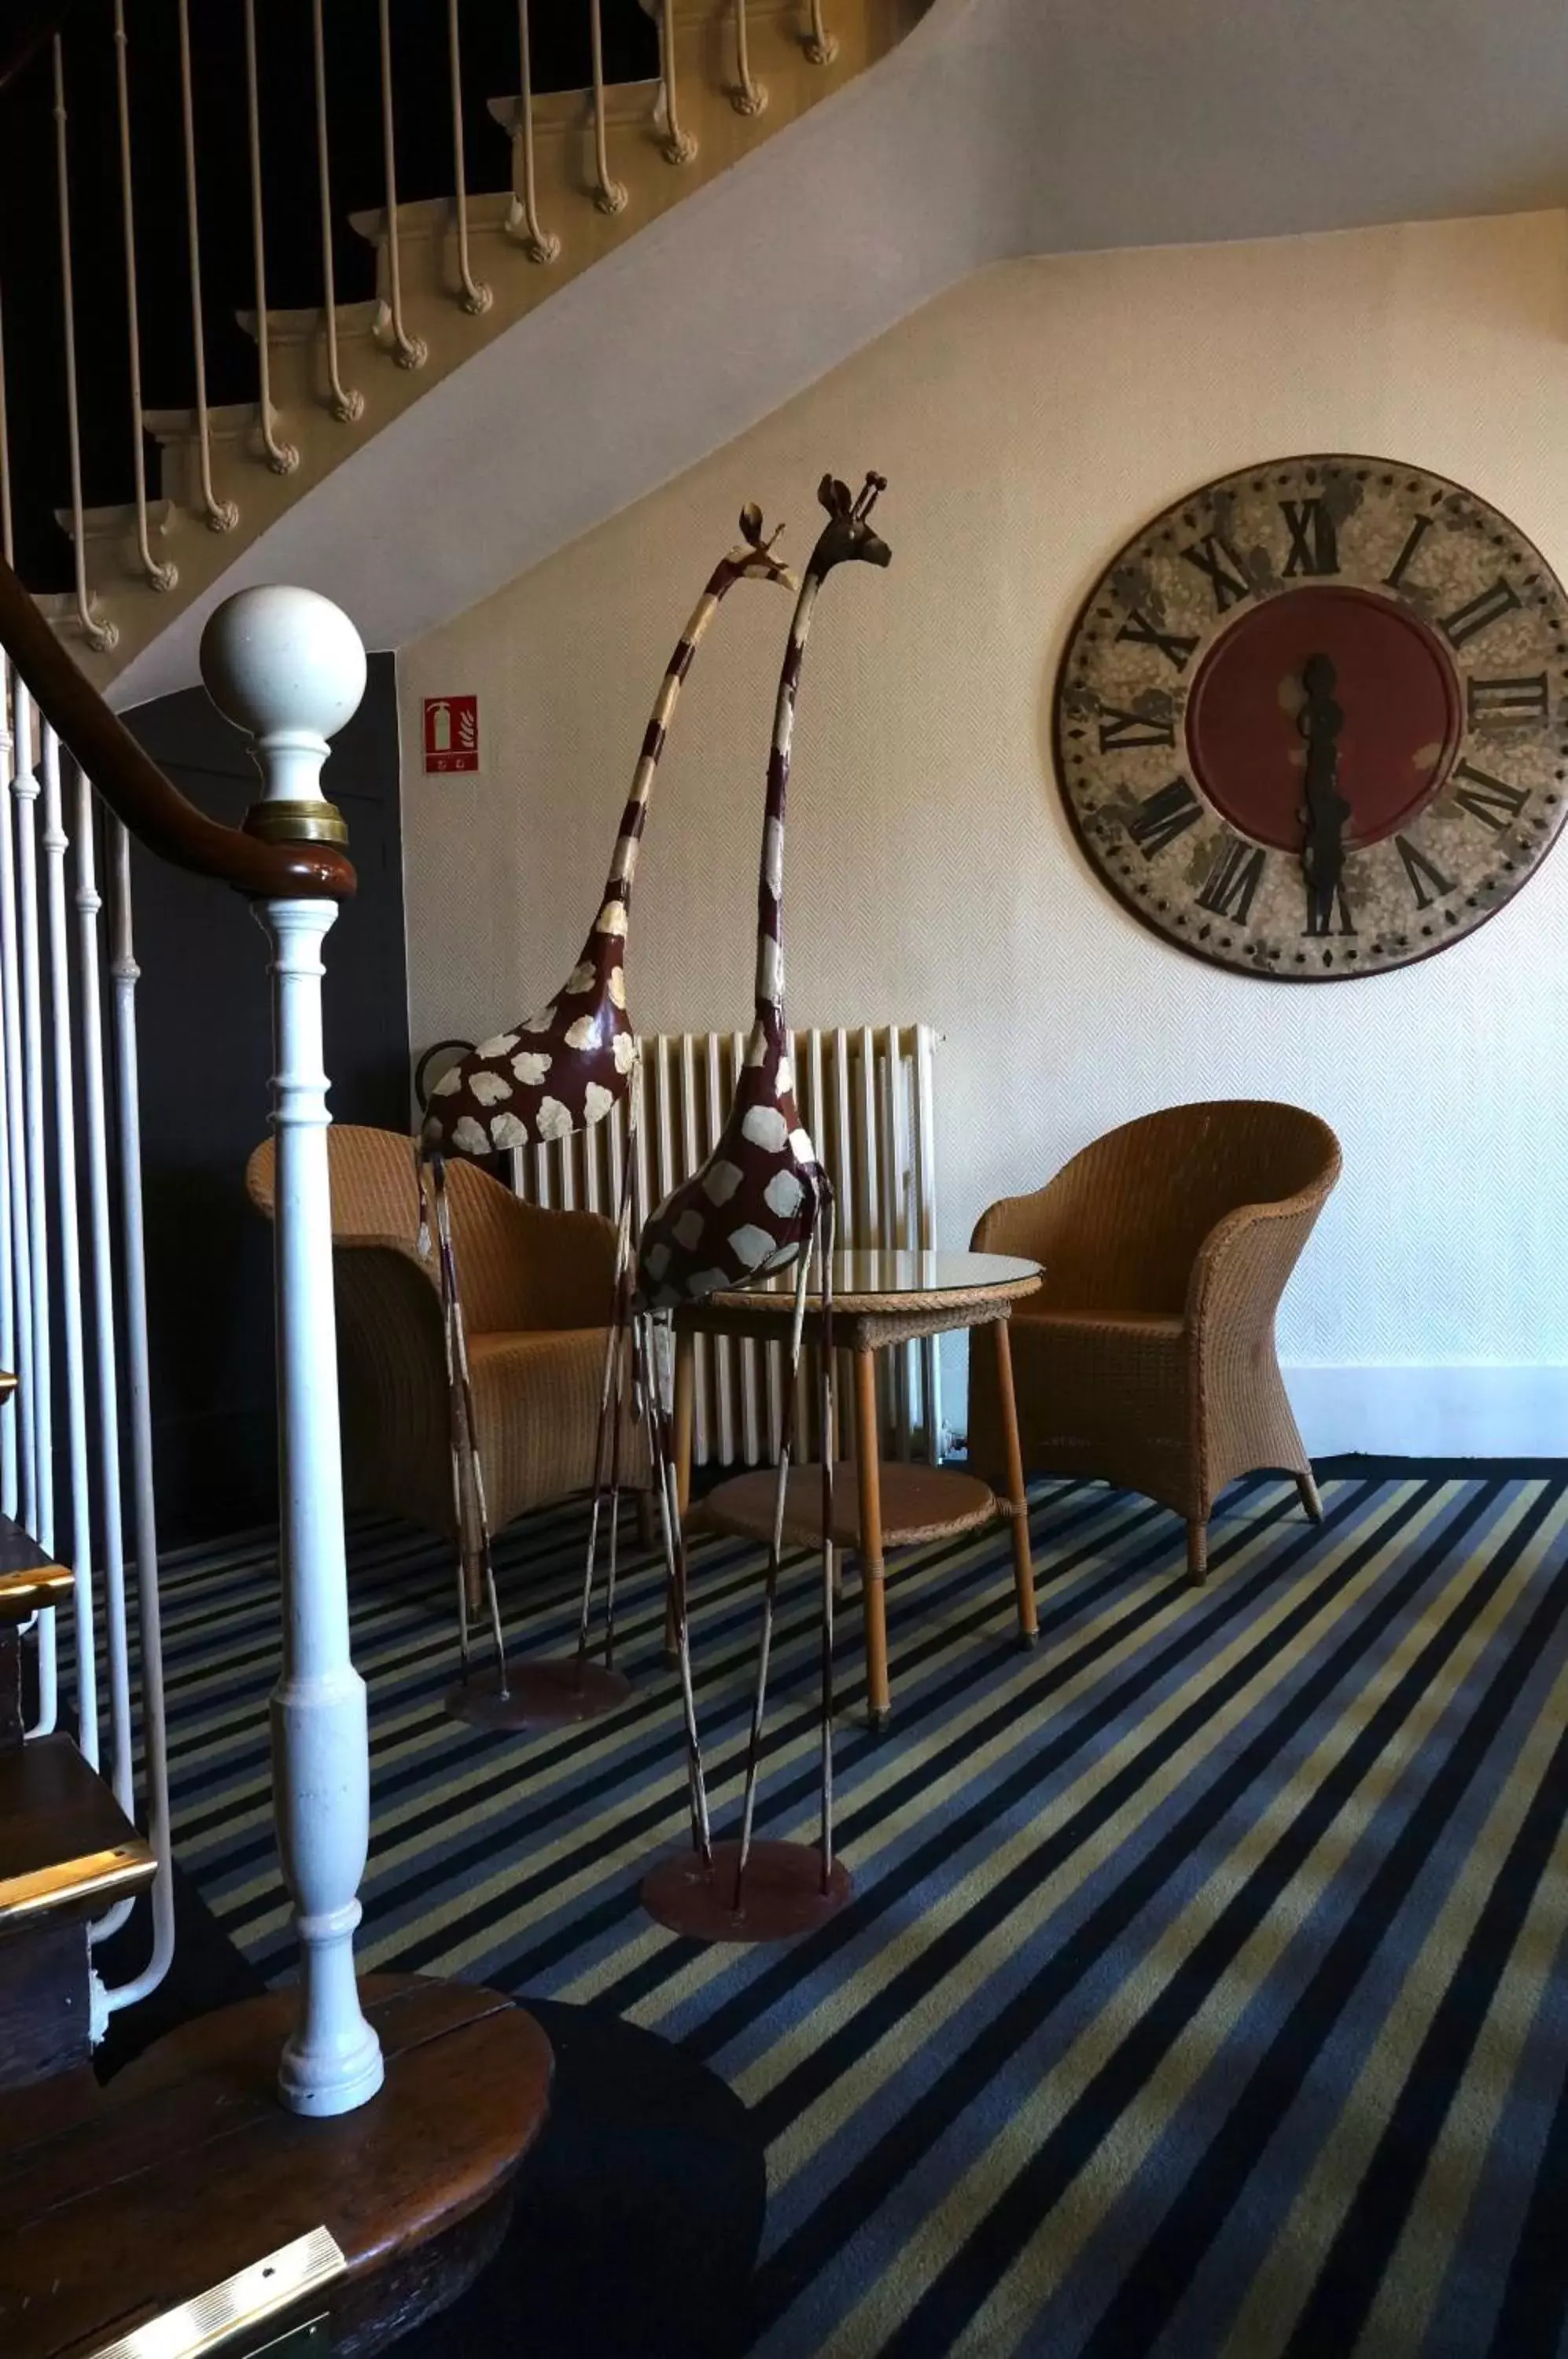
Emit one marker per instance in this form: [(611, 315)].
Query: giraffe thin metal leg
[(503, 1692), (477, 1573), (675, 1575), (606, 1441), (770, 1583), (617, 1410), (529, 1693), (757, 1890)]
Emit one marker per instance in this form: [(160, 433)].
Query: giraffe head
[(848, 532), (755, 560)]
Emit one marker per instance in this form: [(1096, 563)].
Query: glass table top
[(876, 1271)]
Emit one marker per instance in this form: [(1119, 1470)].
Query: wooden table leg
[(1018, 1497), (868, 1477)]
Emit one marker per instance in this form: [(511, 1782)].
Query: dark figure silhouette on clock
[(1325, 809)]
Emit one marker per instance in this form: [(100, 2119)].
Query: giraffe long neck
[(771, 874), (633, 819)]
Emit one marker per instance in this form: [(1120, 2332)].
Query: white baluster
[(15, 1127), (609, 195), (819, 45), (289, 667), (100, 637), (89, 904), (474, 295), (55, 846), (344, 403), (11, 1448), (128, 1122), (748, 96), (7, 540), (222, 516), (538, 244), (281, 457), (35, 1162), (679, 147), (161, 576), (8, 1416), (409, 351)]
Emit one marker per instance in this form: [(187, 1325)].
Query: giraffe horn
[(869, 492)]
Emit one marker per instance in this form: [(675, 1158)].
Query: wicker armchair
[(1147, 1357), (536, 1289)]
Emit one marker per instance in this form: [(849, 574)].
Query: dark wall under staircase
[(204, 1035)]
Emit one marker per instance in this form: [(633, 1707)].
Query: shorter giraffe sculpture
[(560, 1072), (761, 1203)]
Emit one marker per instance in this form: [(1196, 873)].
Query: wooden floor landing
[(116, 2205)]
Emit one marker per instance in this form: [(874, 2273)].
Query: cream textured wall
[(1029, 422)]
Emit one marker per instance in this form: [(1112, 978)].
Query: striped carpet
[(1203, 1991)]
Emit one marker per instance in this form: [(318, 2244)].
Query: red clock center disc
[(1394, 684)]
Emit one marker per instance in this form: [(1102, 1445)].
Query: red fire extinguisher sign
[(451, 732)]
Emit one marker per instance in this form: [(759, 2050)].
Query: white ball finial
[(288, 667), (277, 659)]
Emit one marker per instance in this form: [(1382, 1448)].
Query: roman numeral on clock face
[(1314, 542), (1487, 607), (1172, 645), (1420, 874), (1339, 922), (1413, 540), (1233, 881), (1124, 732), (1163, 816), (1506, 704), (1491, 801), (1222, 568)]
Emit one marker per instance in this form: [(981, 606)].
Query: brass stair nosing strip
[(22, 1594), (97, 1876), (215, 2321)]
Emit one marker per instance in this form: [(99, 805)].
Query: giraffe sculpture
[(561, 1072), (760, 1203)]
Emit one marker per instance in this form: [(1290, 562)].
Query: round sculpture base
[(538, 1695), (782, 1896)]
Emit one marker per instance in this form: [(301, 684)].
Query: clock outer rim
[(1128, 901)]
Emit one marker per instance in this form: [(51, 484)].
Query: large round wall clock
[(1312, 721)]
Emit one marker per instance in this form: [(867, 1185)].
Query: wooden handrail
[(150, 805)]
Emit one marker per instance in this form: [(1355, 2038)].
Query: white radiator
[(865, 1096)]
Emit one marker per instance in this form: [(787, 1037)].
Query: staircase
[(591, 170)]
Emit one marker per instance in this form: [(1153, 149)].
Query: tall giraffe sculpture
[(560, 1072), (760, 1203)]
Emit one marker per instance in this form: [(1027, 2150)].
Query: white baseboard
[(1468, 1409)]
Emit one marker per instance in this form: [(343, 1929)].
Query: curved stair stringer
[(709, 319)]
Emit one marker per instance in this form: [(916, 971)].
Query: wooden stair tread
[(193, 2135), (919, 1503), (65, 1843)]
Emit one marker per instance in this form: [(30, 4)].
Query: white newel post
[(289, 667)]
